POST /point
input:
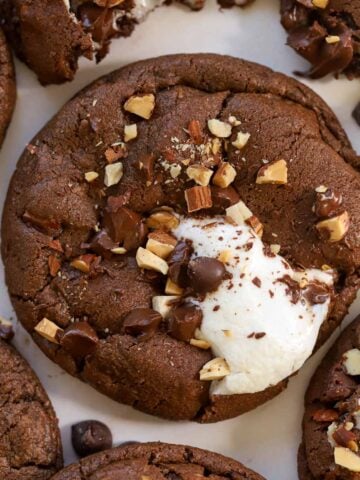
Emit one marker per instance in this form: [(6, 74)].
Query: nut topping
[(164, 303), (239, 213), (200, 174), (198, 198), (130, 132), (224, 175), (49, 330), (320, 3), (219, 129), (91, 176), (195, 132), (346, 458), (161, 243), (149, 261), (352, 361), (241, 140), (113, 173), (203, 344), (162, 220), (54, 265), (172, 288), (216, 369), (6, 329), (334, 229), (275, 172), (142, 106)]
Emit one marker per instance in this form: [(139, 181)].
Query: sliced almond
[(256, 225), (162, 220), (241, 140), (331, 39), (275, 172), (347, 459), (225, 256), (200, 174), (216, 146), (91, 176), (172, 288), (219, 129), (195, 132), (225, 175), (239, 213), (334, 229), (113, 173), (149, 261), (352, 361), (321, 189), (161, 243), (216, 369), (175, 171), (275, 248), (163, 304), (198, 198), (48, 330), (130, 132), (119, 250), (108, 3), (203, 344), (320, 3), (141, 105), (81, 265), (234, 121)]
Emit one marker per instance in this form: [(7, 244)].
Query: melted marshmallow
[(253, 301)]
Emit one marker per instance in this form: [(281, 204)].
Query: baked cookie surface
[(107, 191), (7, 86), (157, 461), (326, 33), (30, 445), (331, 427)]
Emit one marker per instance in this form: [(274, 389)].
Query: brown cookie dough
[(156, 461), (77, 296), (50, 37), (7, 86), (331, 432), (326, 33), (30, 445)]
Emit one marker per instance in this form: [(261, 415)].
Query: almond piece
[(320, 3), (162, 220), (200, 174), (195, 132), (172, 288), (203, 344), (81, 265), (256, 225), (241, 140), (161, 243), (275, 248), (113, 174), (119, 250), (48, 330), (334, 229), (141, 105), (331, 39), (130, 132), (347, 459), (275, 172), (216, 369), (224, 175), (91, 176), (225, 256), (198, 198), (163, 304), (149, 261), (108, 3), (219, 129), (352, 361), (239, 213), (54, 265)]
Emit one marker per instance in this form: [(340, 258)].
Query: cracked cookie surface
[(62, 226), (30, 446), (7, 86)]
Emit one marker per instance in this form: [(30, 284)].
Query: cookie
[(324, 32), (156, 461), (164, 202), (7, 86), (30, 445), (50, 38), (331, 431)]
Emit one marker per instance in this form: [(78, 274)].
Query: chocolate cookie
[(326, 33), (7, 86), (331, 431), (30, 445), (156, 461), (50, 37), (129, 254)]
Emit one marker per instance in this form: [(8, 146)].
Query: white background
[(265, 439)]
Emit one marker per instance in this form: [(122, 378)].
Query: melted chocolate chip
[(102, 244), (142, 323), (178, 263), (205, 274), (223, 198), (183, 321), (90, 436), (124, 226), (327, 203), (79, 339), (316, 293)]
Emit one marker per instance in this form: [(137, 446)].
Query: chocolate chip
[(183, 321), (316, 293), (46, 225), (205, 274), (90, 436), (146, 166), (293, 288), (142, 323), (124, 226), (178, 263), (327, 203), (6, 331), (102, 244), (356, 113), (79, 339), (223, 198)]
